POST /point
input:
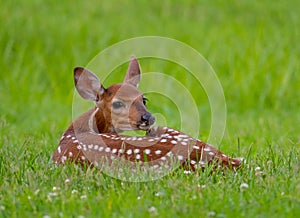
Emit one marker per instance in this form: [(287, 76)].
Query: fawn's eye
[(117, 104), (145, 100)]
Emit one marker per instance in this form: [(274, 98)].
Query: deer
[(96, 136)]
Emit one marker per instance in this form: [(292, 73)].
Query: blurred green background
[(252, 46)]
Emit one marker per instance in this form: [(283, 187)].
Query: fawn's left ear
[(88, 84), (133, 74)]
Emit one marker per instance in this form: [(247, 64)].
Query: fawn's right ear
[(87, 84)]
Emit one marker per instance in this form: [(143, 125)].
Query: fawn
[(96, 134)]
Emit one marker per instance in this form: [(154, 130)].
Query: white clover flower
[(187, 172), (55, 188), (201, 186), (211, 214), (83, 197), (36, 192), (152, 210), (74, 192), (257, 169), (244, 186), (52, 194)]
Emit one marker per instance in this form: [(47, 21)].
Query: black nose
[(148, 119)]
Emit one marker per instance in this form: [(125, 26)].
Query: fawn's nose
[(147, 119)]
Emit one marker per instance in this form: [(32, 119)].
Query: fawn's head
[(121, 106)]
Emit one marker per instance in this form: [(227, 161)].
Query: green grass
[(252, 46)]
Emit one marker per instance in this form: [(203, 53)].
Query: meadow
[(253, 46)]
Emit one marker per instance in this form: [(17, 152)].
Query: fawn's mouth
[(144, 126), (147, 124), (140, 125)]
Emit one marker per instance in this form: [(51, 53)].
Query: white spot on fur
[(129, 152), (107, 149), (174, 142), (180, 157), (163, 140), (177, 138), (114, 150), (59, 150), (136, 150), (193, 162), (79, 147), (184, 143), (196, 147), (63, 159), (163, 158), (75, 141), (100, 149), (96, 147), (206, 149), (157, 152), (69, 136), (147, 151), (70, 154), (138, 156), (211, 153)]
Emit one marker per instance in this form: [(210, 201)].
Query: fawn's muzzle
[(147, 120)]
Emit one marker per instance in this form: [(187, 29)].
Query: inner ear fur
[(133, 74), (87, 84)]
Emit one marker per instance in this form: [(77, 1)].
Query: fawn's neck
[(93, 120)]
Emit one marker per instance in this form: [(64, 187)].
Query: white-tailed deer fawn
[(96, 134)]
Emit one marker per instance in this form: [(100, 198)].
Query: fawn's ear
[(87, 84), (133, 74)]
